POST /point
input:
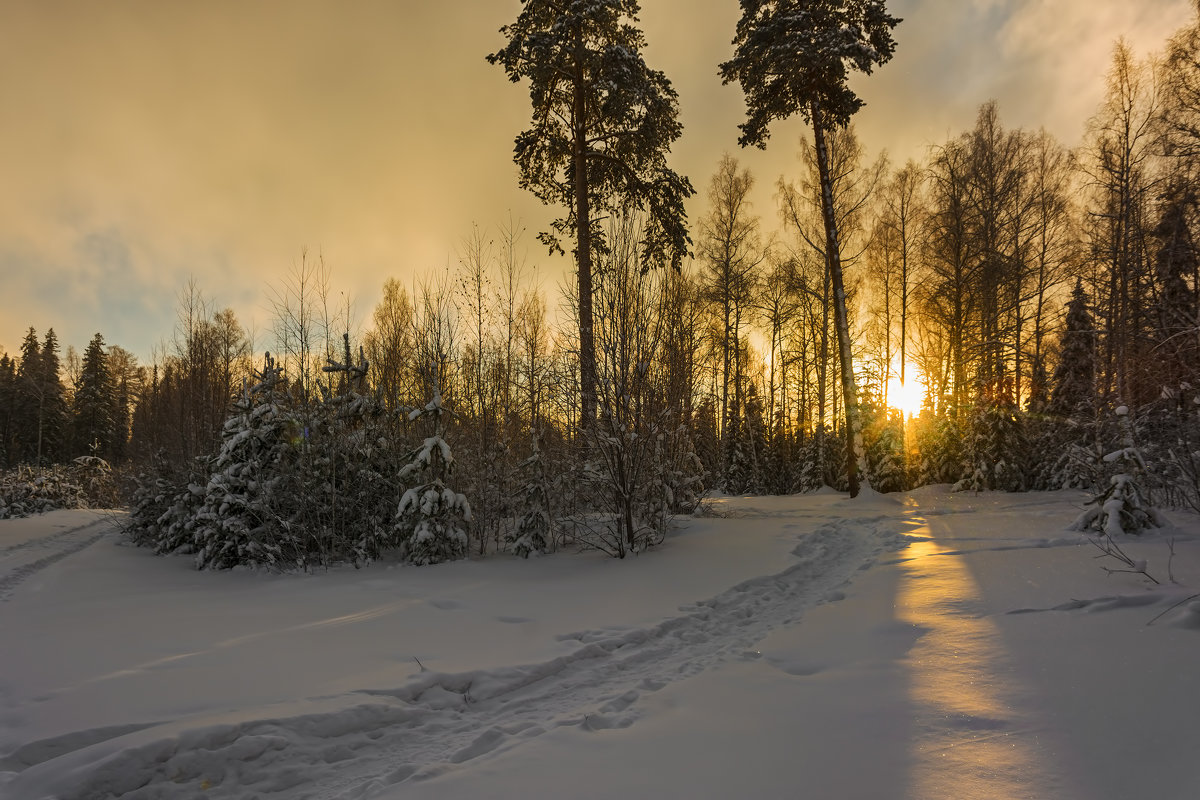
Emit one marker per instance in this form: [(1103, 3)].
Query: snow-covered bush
[(642, 472), (675, 479), (86, 482), (1122, 507), (1119, 509)]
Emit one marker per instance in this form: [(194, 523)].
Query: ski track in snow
[(19, 562), (374, 738)]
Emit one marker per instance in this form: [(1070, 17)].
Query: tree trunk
[(855, 462), (583, 254)]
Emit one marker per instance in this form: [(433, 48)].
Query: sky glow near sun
[(907, 397), (146, 143)]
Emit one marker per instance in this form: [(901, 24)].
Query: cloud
[(149, 142)]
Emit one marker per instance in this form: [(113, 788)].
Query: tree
[(534, 529), (127, 380), (1181, 110), (948, 295), (795, 56), (747, 447), (431, 515), (730, 252), (28, 401), (1054, 246), (1065, 438), (39, 401), (603, 123), (1178, 317), (182, 410), (55, 414), (533, 338), (1074, 392), (8, 401), (778, 311), (95, 402), (894, 260), (389, 345), (238, 521), (1122, 141), (638, 466)]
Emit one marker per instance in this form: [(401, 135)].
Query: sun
[(908, 398)]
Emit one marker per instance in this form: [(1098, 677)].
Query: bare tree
[(1122, 141), (730, 250), (389, 346)]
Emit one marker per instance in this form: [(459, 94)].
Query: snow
[(920, 645)]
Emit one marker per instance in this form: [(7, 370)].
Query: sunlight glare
[(907, 397)]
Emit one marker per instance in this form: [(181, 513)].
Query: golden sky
[(145, 142)]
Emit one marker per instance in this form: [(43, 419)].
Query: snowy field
[(924, 645)]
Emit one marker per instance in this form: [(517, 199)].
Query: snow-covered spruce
[(431, 515), (163, 503), (534, 528), (996, 443), (883, 434), (236, 524)]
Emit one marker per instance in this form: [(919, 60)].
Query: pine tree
[(1074, 385), (55, 418), (8, 411), (39, 404), (778, 467), (810, 475), (238, 522), (883, 437), (1065, 437), (996, 447), (94, 412), (432, 515), (603, 123), (940, 457), (1178, 324), (705, 440), (748, 446), (534, 529), (28, 401)]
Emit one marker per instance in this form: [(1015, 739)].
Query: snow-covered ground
[(925, 645)]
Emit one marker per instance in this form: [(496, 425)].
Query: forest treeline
[(1032, 290)]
